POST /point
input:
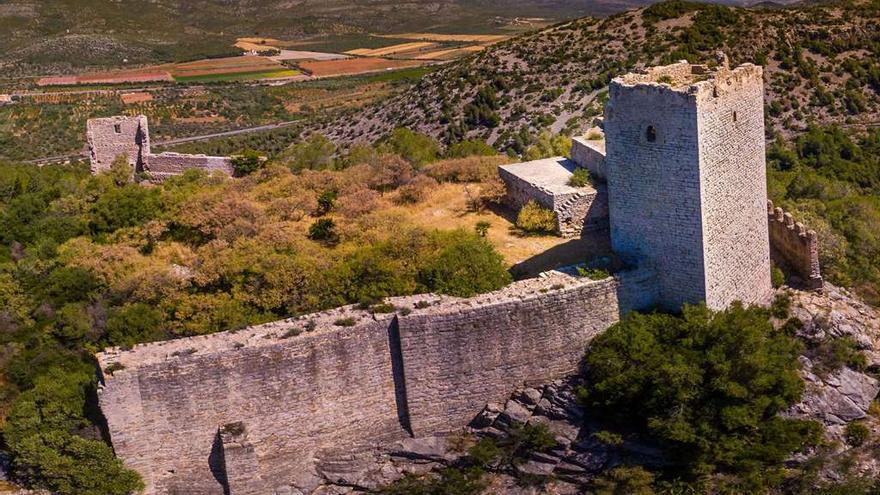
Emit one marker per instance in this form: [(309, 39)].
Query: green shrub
[(323, 229), (708, 385), (326, 201), (246, 163), (835, 353), (593, 273), (345, 322), (608, 437), (482, 228), (781, 306), (464, 265), (580, 178), (534, 218), (418, 149), (777, 278), (39, 433), (624, 480), (470, 147), (856, 433)]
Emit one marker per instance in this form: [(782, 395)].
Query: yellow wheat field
[(460, 38), (391, 50)]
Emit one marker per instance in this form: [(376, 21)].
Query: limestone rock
[(843, 396)]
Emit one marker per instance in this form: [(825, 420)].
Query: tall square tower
[(687, 181), (113, 136)]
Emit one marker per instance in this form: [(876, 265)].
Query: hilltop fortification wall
[(794, 246), (253, 409), (168, 164)]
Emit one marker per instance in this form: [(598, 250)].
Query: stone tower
[(687, 181), (114, 136)]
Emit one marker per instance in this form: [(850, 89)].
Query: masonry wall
[(253, 409), (654, 187), (105, 143), (458, 358), (294, 396), (590, 155), (794, 246), (163, 165), (583, 209), (734, 187)]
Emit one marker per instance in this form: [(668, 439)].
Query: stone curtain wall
[(292, 396), (733, 181), (195, 416), (105, 144), (794, 246), (654, 187), (168, 164), (461, 356)]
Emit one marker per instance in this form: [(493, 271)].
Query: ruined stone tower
[(114, 136), (687, 181)]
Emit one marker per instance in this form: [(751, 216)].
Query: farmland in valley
[(327, 68)]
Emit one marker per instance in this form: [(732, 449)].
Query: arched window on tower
[(651, 134)]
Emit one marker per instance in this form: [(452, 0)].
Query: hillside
[(821, 65), (64, 34)]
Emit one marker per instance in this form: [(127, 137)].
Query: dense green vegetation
[(829, 179), (88, 262), (708, 387)]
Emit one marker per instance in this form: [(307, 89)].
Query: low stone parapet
[(794, 246)]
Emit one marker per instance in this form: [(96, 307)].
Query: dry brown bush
[(390, 172), (416, 190), (469, 169), (357, 202)]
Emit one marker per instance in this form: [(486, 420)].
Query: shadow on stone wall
[(590, 245)]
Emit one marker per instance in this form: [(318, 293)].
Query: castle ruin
[(112, 137), (679, 179)]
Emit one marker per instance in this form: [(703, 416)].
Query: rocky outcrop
[(834, 312), (835, 400)]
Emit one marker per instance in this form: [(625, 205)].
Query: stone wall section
[(256, 407), (590, 154), (577, 209), (458, 357), (733, 186), (293, 395), (164, 165), (114, 136), (794, 246)]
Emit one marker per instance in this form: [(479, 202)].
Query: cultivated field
[(327, 68), (228, 65), (450, 53), (453, 38), (401, 49), (307, 55), (122, 77)]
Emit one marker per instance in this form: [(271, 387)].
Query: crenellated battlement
[(794, 245)]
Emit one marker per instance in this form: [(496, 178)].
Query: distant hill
[(58, 35), (822, 64)]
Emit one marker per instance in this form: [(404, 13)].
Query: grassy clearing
[(238, 76)]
